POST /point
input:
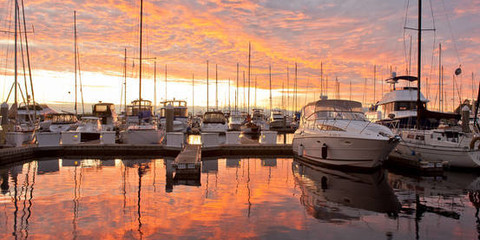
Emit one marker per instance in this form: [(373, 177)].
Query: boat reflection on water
[(336, 196), (48, 166)]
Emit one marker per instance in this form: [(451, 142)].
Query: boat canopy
[(407, 94), (214, 117), (61, 118), (334, 109)]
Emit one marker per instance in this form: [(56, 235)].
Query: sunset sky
[(349, 37)]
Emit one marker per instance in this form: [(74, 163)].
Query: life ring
[(472, 143)]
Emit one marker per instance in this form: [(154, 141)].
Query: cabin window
[(101, 108), (420, 137), (411, 136)]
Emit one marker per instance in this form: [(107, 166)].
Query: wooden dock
[(188, 162)]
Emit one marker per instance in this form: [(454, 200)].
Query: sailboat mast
[(270, 81), (155, 86), (229, 106), (236, 93), (440, 77), (166, 72), (374, 83), (140, 65), (207, 88), (29, 66), (193, 94), (296, 88), (419, 61), (125, 81), (16, 66), (75, 55), (216, 87), (249, 52)]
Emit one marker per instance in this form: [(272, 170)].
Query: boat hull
[(452, 156), (343, 151), (142, 136)]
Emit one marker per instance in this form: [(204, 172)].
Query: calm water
[(234, 198)]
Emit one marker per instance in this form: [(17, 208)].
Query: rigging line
[(404, 33), (433, 62), (9, 14), (451, 32), (80, 79)]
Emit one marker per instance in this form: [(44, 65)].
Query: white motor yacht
[(439, 139), (141, 128), (214, 122), (335, 132), (89, 129), (106, 113), (59, 122), (180, 115), (235, 121), (278, 120)]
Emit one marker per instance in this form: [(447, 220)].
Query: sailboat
[(426, 135), (18, 131), (143, 129)]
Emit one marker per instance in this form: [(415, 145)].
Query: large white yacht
[(335, 132), (141, 127), (235, 121), (214, 122), (439, 137), (278, 120)]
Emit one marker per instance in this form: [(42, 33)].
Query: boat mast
[(249, 52), (229, 106), (166, 72), (140, 67), (296, 89), (75, 55), (155, 87), (440, 90), (16, 67), (419, 62), (270, 80), (207, 86), (125, 81), (30, 69), (216, 87), (236, 93), (193, 94)]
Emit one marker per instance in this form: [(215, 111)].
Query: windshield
[(327, 115), (334, 110), (214, 118)]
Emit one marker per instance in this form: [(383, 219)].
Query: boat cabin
[(180, 109), (214, 117), (106, 112)]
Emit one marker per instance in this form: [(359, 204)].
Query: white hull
[(453, 156), (142, 136), (214, 128), (343, 151)]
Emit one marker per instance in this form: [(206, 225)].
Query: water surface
[(231, 198)]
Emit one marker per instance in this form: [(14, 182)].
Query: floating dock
[(188, 162)]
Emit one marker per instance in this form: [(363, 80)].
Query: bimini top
[(407, 94)]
